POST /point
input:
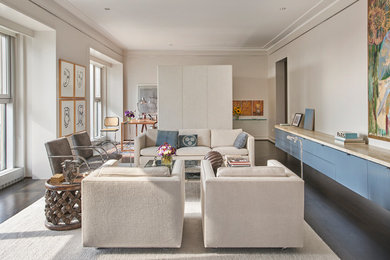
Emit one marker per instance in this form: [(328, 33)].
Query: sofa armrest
[(278, 164), (139, 144), (250, 145)]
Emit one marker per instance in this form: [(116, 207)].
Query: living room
[(154, 76)]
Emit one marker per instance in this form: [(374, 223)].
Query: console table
[(362, 168)]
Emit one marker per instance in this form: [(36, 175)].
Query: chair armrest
[(109, 142), (139, 143), (94, 148), (250, 146), (73, 157)]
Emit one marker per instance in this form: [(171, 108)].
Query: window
[(96, 72), (6, 61)]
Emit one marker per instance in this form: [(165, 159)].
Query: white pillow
[(258, 171), (224, 137), (134, 172)]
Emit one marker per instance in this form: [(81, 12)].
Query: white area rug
[(24, 236)]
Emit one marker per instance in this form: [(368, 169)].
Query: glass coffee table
[(192, 168)]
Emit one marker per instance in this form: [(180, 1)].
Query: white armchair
[(254, 207), (133, 207)]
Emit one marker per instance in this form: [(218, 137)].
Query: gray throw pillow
[(169, 137), (188, 140), (240, 141)]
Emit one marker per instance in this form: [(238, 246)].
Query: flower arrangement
[(129, 114), (237, 111), (166, 151)]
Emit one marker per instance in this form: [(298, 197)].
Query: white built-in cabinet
[(195, 97)]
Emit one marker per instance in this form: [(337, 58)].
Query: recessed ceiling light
[(107, 8), (282, 8)]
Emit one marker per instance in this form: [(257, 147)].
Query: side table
[(63, 206)]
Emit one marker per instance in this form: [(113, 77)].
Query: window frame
[(7, 98), (96, 101), (9, 106)]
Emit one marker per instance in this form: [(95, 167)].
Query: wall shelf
[(250, 119)]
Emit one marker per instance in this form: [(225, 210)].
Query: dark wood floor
[(19, 196), (353, 227)]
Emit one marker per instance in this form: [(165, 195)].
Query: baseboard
[(9, 177), (265, 139)]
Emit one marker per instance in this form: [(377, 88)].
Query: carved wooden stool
[(63, 206)]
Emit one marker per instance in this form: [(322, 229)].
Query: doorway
[(281, 92)]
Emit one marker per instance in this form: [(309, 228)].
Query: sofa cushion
[(203, 135), (151, 137), (197, 150), (169, 137), (258, 171), (133, 172), (149, 151), (240, 141), (231, 150), (188, 141), (224, 137)]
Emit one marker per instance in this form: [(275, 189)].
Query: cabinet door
[(170, 105), (219, 97), (319, 157), (351, 172), (195, 97), (379, 184), (281, 140)]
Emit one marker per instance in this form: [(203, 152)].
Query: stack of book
[(238, 162), (348, 138)]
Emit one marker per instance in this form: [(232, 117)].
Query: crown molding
[(221, 52), (321, 17)]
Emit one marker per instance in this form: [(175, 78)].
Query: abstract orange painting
[(258, 107), (246, 107)]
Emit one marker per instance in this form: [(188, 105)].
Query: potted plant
[(129, 115), (236, 112), (166, 151)]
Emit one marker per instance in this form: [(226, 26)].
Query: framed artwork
[(66, 117), (246, 107), (79, 88), (80, 112), (297, 119), (66, 79), (258, 108), (378, 41)]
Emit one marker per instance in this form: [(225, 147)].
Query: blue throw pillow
[(188, 140), (169, 137), (240, 141)]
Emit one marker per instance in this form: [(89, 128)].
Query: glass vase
[(166, 160)]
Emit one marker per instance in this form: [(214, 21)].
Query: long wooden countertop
[(365, 151)]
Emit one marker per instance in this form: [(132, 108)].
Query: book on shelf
[(349, 141), (347, 135)]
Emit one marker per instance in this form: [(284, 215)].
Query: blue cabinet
[(351, 171), (364, 177), (379, 184), (319, 157)]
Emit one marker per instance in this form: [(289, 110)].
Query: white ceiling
[(195, 24)]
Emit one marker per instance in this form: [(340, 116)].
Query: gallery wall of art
[(72, 98)]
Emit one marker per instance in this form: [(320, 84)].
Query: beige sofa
[(262, 211), (133, 207), (220, 140)]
